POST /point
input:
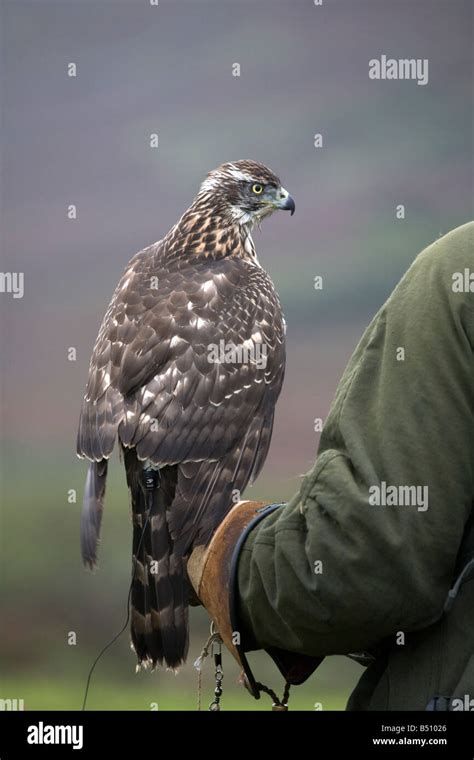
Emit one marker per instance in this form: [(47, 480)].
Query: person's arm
[(331, 572)]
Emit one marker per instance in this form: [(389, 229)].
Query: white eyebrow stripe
[(237, 174), (210, 183), (214, 179)]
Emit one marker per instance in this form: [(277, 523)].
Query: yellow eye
[(257, 188)]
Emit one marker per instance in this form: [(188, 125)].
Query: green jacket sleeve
[(367, 547)]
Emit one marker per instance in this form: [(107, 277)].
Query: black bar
[(447, 734)]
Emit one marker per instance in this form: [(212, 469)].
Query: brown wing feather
[(150, 378)]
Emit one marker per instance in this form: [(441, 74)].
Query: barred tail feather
[(159, 616)]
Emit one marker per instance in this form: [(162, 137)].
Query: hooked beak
[(285, 201)]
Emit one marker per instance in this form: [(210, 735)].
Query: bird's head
[(245, 192)]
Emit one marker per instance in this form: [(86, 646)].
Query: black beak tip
[(290, 205)]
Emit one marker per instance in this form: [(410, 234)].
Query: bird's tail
[(92, 508), (159, 598)]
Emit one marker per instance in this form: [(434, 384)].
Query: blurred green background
[(168, 69)]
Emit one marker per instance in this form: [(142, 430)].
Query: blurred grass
[(42, 694), (112, 688)]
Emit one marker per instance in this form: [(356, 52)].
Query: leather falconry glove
[(212, 571)]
